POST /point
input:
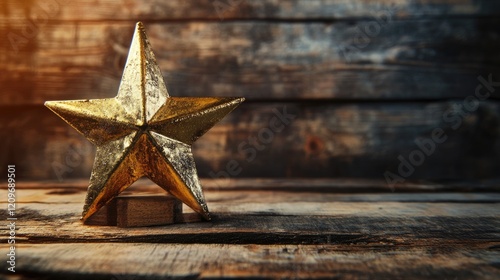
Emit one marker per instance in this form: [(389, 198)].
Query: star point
[(143, 132)]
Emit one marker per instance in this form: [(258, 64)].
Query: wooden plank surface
[(195, 261), (272, 234), (281, 223), (405, 60), (273, 217), (318, 140)]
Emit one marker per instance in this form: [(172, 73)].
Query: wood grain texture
[(249, 217), (267, 234), (293, 185), (147, 210), (318, 140), (157, 10), (318, 190), (106, 216), (404, 60), (198, 261)]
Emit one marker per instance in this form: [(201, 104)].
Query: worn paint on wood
[(317, 140), (405, 60), (178, 10)]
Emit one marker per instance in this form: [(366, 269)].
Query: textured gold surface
[(143, 132)]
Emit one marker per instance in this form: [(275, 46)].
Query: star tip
[(207, 217), (50, 104), (238, 100), (83, 220), (86, 214), (204, 213), (139, 27)]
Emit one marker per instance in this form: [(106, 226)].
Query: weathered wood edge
[(279, 221), (332, 185)]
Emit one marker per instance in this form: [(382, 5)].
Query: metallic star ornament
[(143, 132)]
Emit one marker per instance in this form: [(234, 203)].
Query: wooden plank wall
[(360, 80)]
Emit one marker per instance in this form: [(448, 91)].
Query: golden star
[(143, 132)]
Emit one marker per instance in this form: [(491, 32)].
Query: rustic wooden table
[(343, 229)]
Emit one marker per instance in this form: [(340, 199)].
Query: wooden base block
[(190, 218), (106, 216), (139, 211), (153, 210)]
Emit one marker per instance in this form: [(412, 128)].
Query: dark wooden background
[(363, 80)]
